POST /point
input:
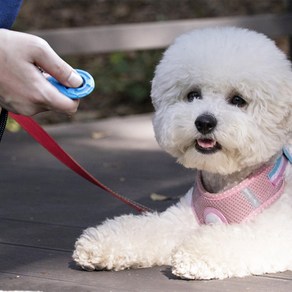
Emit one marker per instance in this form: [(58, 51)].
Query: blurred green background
[(123, 79)]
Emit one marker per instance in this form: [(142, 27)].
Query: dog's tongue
[(206, 143)]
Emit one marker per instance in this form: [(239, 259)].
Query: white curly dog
[(223, 106)]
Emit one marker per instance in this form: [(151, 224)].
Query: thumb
[(54, 65), (74, 79)]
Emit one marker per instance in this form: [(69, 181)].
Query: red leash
[(44, 139)]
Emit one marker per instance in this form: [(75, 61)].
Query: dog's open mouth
[(207, 146)]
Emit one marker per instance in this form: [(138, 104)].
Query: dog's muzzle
[(206, 124)]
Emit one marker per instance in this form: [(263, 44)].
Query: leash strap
[(44, 139)]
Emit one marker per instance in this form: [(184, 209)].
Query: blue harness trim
[(277, 169), (288, 154)]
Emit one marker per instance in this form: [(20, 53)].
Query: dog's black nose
[(205, 123)]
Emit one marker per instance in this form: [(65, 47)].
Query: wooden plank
[(49, 270), (38, 235), (35, 254), (153, 35)]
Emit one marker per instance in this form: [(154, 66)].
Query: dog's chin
[(210, 158), (207, 146)]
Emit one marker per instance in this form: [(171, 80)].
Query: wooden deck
[(44, 207)]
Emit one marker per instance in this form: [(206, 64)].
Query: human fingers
[(23, 89), (47, 59), (52, 99)]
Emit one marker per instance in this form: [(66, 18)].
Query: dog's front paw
[(85, 258), (186, 266), (101, 249), (89, 253)]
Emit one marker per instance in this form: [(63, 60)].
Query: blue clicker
[(75, 93)]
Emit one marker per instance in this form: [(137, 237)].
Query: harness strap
[(244, 201), (44, 139)]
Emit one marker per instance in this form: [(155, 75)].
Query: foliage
[(122, 78), (12, 126)]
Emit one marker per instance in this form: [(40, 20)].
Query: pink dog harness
[(244, 201)]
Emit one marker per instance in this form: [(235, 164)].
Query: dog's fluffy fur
[(216, 64)]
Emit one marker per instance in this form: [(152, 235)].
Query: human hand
[(23, 87)]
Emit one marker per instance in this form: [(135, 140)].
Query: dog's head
[(223, 99)]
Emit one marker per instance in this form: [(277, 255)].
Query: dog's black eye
[(194, 95), (237, 101)]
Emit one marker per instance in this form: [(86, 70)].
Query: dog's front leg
[(207, 254), (222, 251), (134, 241)]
